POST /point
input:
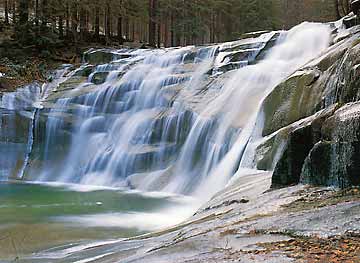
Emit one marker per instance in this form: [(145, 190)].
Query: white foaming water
[(168, 120), (149, 122), (242, 96)]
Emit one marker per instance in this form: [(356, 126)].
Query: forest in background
[(156, 23)]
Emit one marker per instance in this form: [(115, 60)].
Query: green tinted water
[(35, 217)]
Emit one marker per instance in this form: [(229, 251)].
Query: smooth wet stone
[(298, 140), (340, 150), (288, 168), (324, 152), (84, 71), (333, 164), (350, 20), (99, 77), (99, 56), (291, 101), (329, 79)]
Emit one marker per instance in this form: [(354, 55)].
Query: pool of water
[(35, 217)]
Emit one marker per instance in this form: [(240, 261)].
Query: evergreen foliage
[(153, 22)]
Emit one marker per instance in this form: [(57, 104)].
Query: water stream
[(180, 121)]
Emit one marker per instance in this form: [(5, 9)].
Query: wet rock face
[(332, 163), (99, 77), (98, 57), (350, 20), (300, 141), (288, 169), (355, 6), (340, 150), (312, 121), (332, 78), (326, 152), (290, 101)]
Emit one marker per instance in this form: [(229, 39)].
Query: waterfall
[(178, 120), (242, 96)]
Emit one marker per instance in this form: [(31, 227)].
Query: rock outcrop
[(335, 159), (355, 6), (312, 119)]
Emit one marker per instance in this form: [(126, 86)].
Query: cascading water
[(241, 98), (179, 120)]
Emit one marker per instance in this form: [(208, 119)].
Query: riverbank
[(244, 223)]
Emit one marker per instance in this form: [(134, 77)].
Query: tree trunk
[(337, 11), (23, 12), (61, 26), (133, 30), (74, 21), (172, 29), (212, 27), (152, 22), (159, 34), (44, 12), (127, 35), (14, 12), (67, 22), (36, 7), (119, 30), (83, 27), (166, 32), (6, 12), (107, 22), (97, 24)]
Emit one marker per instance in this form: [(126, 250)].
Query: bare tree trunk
[(107, 22), (133, 30), (36, 13), (44, 12), (152, 22), (6, 12), (67, 22), (119, 30), (127, 36), (97, 24), (83, 27), (337, 11), (61, 26), (172, 30), (212, 27), (74, 21), (159, 34), (166, 32), (14, 12)]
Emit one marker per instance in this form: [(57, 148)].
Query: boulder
[(97, 57), (332, 78), (99, 77), (332, 164), (336, 159), (300, 141), (350, 20), (288, 169), (292, 100), (325, 152), (84, 71), (355, 6), (5, 84)]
